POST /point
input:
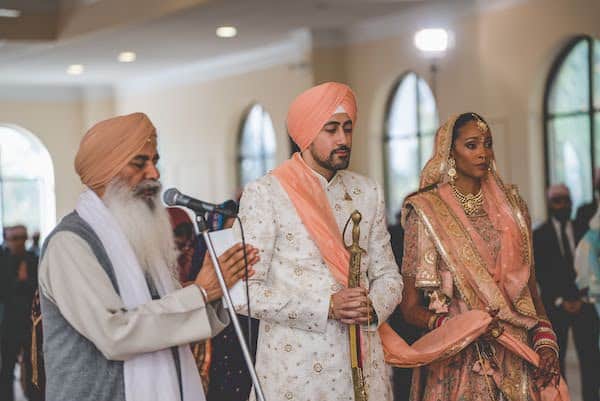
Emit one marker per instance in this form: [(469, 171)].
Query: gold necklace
[(471, 204)]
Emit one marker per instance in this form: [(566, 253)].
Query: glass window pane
[(13, 147), (597, 140), (251, 144), (268, 134), (570, 159), (21, 203), (251, 169), (257, 145), (596, 75), (426, 148), (570, 89), (428, 118), (402, 115), (403, 171)]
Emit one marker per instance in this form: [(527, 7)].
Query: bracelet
[(545, 343), (544, 323), (553, 347), (431, 322), (203, 292), (436, 321)]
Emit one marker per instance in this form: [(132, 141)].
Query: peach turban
[(109, 145), (313, 108)]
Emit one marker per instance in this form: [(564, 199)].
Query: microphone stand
[(203, 228)]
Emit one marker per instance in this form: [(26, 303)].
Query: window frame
[(45, 183), (263, 156), (548, 117), (419, 133)]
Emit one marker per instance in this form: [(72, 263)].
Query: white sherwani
[(301, 355)]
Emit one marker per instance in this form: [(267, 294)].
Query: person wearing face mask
[(554, 244)]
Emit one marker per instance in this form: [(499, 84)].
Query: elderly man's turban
[(314, 107), (109, 145)]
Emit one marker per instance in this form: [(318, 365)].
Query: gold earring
[(452, 169)]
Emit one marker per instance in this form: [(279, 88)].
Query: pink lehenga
[(475, 264)]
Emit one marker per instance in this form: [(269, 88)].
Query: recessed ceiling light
[(127, 57), (75, 69), (227, 31), (432, 40), (9, 13)]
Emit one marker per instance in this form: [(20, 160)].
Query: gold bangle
[(552, 347), (203, 292), (431, 321)]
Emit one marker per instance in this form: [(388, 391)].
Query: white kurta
[(71, 277), (301, 355)]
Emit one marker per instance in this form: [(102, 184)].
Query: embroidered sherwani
[(301, 355)]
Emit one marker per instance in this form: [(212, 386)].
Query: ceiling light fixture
[(9, 13), (227, 31), (75, 69), (433, 40), (127, 57)]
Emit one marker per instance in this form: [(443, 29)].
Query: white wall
[(198, 124), (498, 68), (56, 120)]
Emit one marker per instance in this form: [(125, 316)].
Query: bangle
[(431, 322), (436, 321), (553, 347), (545, 343), (204, 293), (544, 323)]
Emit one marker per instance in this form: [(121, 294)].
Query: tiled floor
[(573, 376)]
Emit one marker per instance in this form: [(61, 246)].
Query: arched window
[(410, 125), (256, 154), (572, 118), (26, 181)]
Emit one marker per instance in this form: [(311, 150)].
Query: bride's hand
[(549, 368), (494, 329)]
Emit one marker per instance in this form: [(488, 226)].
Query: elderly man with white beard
[(116, 322)]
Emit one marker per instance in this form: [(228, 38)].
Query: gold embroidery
[(479, 292)]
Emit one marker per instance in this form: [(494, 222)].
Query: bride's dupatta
[(484, 282)]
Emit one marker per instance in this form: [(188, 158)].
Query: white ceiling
[(182, 38)]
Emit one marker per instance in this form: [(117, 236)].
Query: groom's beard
[(145, 223)]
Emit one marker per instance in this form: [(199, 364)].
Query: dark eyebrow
[(331, 123), (141, 158)]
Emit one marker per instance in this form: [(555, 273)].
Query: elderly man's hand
[(232, 264)]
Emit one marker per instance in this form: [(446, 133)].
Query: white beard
[(146, 225)]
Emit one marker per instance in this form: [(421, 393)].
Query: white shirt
[(570, 235), (71, 277)]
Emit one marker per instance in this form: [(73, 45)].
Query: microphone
[(172, 197)]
